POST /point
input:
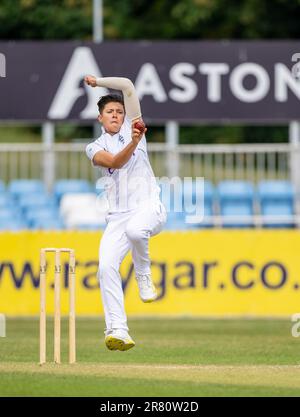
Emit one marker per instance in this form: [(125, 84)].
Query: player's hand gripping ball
[(140, 126)]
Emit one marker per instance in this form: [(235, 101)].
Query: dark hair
[(109, 98)]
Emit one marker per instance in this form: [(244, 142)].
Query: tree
[(45, 19)]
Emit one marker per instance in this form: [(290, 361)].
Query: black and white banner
[(217, 81)]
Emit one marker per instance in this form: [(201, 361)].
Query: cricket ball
[(140, 126)]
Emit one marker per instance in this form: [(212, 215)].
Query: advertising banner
[(201, 273), (187, 81)]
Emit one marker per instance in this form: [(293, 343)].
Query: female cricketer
[(135, 210)]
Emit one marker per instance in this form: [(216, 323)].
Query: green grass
[(172, 357)]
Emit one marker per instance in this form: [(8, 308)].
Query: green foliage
[(45, 19), (156, 19), (202, 19)]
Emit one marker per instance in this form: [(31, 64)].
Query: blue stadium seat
[(62, 187), (24, 186), (193, 191), (32, 201), (175, 221), (47, 224), (12, 225), (236, 199), (11, 217), (193, 220), (41, 214), (171, 194), (6, 200), (209, 192), (6, 214), (90, 226), (193, 194), (208, 215), (180, 201), (276, 198), (178, 221)]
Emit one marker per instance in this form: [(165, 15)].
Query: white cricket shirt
[(134, 184)]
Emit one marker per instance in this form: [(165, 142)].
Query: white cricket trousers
[(124, 232)]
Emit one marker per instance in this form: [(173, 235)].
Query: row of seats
[(75, 204), (240, 204), (26, 203), (22, 187)]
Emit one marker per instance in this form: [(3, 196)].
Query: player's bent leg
[(140, 228), (140, 252)]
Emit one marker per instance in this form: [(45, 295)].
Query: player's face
[(112, 117)]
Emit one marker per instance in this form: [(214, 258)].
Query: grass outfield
[(172, 357)]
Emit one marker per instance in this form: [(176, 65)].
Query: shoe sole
[(149, 300), (113, 343)]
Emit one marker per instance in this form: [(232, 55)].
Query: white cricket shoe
[(119, 339), (147, 290)]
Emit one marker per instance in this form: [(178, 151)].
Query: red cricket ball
[(140, 126)]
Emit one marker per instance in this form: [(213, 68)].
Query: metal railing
[(252, 162)]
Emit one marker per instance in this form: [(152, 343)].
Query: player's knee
[(135, 235)]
